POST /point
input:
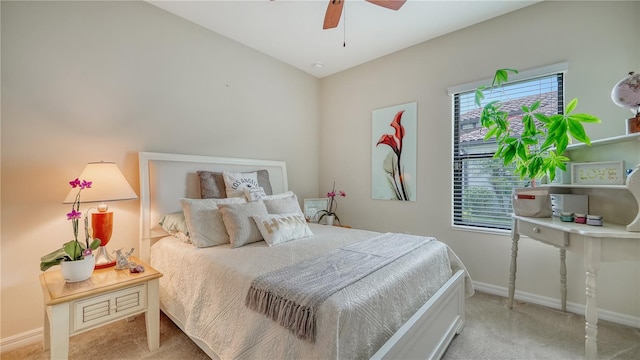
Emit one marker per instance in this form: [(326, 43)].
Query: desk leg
[(515, 236), (152, 317), (563, 279), (59, 332), (592, 265)]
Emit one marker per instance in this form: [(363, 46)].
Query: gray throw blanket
[(291, 296)]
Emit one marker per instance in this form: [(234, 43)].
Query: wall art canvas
[(393, 157)]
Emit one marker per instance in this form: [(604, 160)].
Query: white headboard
[(166, 178)]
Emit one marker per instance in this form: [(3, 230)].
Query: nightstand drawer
[(545, 234), (108, 307)]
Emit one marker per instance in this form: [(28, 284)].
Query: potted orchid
[(74, 250), (330, 213)]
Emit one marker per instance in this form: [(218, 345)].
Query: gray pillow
[(212, 184), (282, 203), (204, 220), (238, 220)]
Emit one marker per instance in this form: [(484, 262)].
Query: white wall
[(598, 39), (90, 81)]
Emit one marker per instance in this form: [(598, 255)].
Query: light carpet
[(492, 331)]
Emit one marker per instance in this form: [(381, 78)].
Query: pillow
[(279, 228), (176, 225), (282, 203), (254, 193), (240, 226), (204, 220), (212, 184), (236, 182)]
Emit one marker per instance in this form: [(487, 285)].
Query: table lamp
[(108, 184)]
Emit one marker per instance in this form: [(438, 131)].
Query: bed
[(399, 310)]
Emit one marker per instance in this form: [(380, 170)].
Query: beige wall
[(599, 40), (90, 81)]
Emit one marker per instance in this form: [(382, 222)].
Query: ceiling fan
[(334, 10)]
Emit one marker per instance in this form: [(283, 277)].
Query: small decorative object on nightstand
[(330, 213), (109, 295), (109, 184)]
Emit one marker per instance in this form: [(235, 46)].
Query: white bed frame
[(165, 178)]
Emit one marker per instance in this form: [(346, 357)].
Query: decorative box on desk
[(109, 295)]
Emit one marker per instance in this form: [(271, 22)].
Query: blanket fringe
[(297, 318)]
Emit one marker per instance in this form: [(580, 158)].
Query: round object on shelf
[(626, 93)]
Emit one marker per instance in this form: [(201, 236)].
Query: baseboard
[(20, 340), (554, 303)]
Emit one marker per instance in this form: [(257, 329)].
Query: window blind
[(482, 185)]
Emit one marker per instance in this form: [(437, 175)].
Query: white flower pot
[(79, 270), (330, 219)]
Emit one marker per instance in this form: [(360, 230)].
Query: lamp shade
[(107, 184)]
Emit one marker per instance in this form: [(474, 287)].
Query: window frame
[(549, 70)]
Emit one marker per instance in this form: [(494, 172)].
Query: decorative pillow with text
[(235, 183), (279, 228)]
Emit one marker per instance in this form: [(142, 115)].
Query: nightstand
[(109, 295)]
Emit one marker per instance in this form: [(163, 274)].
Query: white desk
[(595, 243)]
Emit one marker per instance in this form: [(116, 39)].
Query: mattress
[(205, 289)]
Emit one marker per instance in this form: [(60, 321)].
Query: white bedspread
[(205, 289)]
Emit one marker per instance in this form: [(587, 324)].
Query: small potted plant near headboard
[(539, 149)]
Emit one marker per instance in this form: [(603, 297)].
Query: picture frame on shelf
[(313, 206), (598, 173)]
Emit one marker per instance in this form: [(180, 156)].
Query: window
[(482, 185)]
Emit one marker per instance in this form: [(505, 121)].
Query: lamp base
[(103, 260)]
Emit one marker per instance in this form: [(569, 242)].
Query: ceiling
[(291, 30)]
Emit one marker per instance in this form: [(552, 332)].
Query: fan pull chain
[(344, 27)]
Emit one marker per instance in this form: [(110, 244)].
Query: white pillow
[(204, 220), (236, 182), (176, 225), (279, 228), (254, 194), (240, 226), (282, 203)]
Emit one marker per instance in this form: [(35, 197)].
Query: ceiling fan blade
[(389, 4), (332, 16)]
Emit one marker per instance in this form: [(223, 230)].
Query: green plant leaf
[(502, 76), (479, 96), (509, 154), (95, 244), (571, 106), (535, 105), (73, 249), (562, 140), (587, 118), (542, 117), (577, 130)]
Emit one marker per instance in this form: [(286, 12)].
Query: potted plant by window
[(537, 150), (75, 257)]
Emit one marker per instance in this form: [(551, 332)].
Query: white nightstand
[(109, 295)]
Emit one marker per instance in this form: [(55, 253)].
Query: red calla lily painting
[(393, 170)]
